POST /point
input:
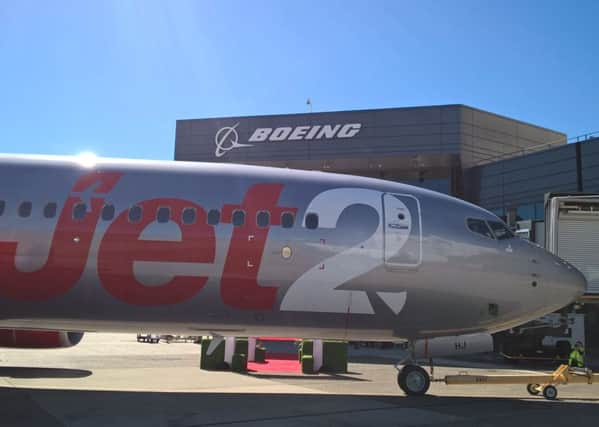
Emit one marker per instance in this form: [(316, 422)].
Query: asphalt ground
[(111, 380)]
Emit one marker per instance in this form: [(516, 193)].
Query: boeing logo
[(227, 138)]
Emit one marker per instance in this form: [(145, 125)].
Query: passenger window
[(163, 215), (500, 231), (50, 210), (238, 218), (287, 220), (79, 211), (188, 216), (213, 217), (479, 226), (25, 209), (312, 221), (135, 213), (107, 212), (2, 206), (263, 219)]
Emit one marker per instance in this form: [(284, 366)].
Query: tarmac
[(112, 380)]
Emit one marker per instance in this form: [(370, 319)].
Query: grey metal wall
[(523, 181), (488, 137), (589, 151)]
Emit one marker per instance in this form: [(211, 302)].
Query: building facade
[(432, 147)]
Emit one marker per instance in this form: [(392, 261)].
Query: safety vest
[(576, 359)]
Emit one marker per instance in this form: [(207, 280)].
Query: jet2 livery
[(232, 250)]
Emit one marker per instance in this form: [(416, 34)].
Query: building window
[(163, 215), (188, 216), (499, 212), (312, 221), (287, 220), (263, 219), (50, 210), (238, 218), (479, 226), (213, 216), (135, 213), (525, 212), (540, 210), (107, 212), (79, 211)]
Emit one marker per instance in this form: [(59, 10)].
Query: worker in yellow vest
[(576, 359)]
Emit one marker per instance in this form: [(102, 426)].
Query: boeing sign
[(227, 138)]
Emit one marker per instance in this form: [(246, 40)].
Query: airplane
[(114, 245)]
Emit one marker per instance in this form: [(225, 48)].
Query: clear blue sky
[(113, 76)]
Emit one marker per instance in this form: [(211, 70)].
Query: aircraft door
[(402, 231)]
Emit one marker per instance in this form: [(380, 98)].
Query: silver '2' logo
[(226, 139)]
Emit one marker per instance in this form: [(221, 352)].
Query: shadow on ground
[(25, 407), (24, 372)]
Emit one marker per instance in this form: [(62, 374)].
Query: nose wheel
[(413, 380)]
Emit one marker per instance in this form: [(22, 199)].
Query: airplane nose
[(566, 279), (576, 281)]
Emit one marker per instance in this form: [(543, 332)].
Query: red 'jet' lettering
[(121, 247)]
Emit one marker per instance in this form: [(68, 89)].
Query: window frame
[(219, 217), (104, 207), (317, 220), (50, 205), (509, 234), (233, 216), (141, 214), (192, 210), (492, 235), (25, 203), (75, 207), (160, 208), (267, 219), (292, 215)]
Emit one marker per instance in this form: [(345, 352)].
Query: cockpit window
[(479, 226), (500, 231)]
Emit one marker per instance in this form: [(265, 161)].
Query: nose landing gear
[(413, 380)]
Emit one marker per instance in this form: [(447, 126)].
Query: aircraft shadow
[(26, 372), (51, 407)]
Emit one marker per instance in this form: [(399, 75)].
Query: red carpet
[(281, 363)]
